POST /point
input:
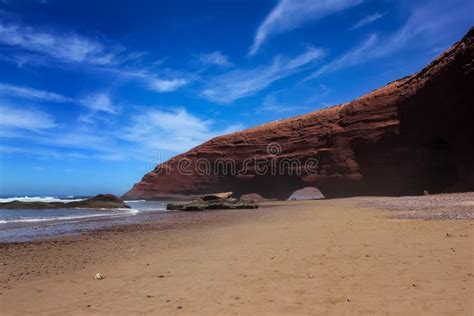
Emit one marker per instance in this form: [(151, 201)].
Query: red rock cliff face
[(412, 135)]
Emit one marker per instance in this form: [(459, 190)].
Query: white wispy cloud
[(241, 83), (215, 58), (36, 46), (171, 131), (147, 135), (289, 14), (97, 102), (430, 24), (41, 152), (165, 85), (271, 104), (26, 119), (296, 99), (352, 57), (368, 20), (426, 24), (59, 46), (167, 81), (32, 94), (78, 138), (66, 142)]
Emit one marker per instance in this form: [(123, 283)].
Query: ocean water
[(18, 225)]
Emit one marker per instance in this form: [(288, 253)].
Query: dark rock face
[(414, 134), (98, 201)]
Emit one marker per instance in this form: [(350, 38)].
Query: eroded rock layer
[(414, 134)]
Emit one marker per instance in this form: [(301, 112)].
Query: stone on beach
[(308, 193), (98, 276), (216, 196), (215, 201)]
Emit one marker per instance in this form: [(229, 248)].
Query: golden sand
[(318, 257)]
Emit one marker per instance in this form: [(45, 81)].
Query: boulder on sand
[(216, 201), (308, 193), (216, 196)]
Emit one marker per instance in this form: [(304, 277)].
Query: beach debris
[(179, 307), (308, 193), (216, 201), (98, 276)]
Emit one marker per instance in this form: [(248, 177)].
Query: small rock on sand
[(308, 193), (98, 276)]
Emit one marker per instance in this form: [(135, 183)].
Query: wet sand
[(340, 256)]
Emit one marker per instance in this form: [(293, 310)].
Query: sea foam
[(46, 199)]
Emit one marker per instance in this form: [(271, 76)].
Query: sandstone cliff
[(414, 134)]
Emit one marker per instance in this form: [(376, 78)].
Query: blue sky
[(93, 94)]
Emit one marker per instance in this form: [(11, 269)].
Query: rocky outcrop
[(100, 201), (215, 201), (216, 196), (412, 135)]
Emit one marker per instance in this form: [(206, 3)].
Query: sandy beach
[(344, 256)]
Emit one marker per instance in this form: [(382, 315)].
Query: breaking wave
[(122, 212), (46, 199)]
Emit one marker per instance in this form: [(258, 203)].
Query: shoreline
[(326, 256), (22, 225), (458, 206)]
